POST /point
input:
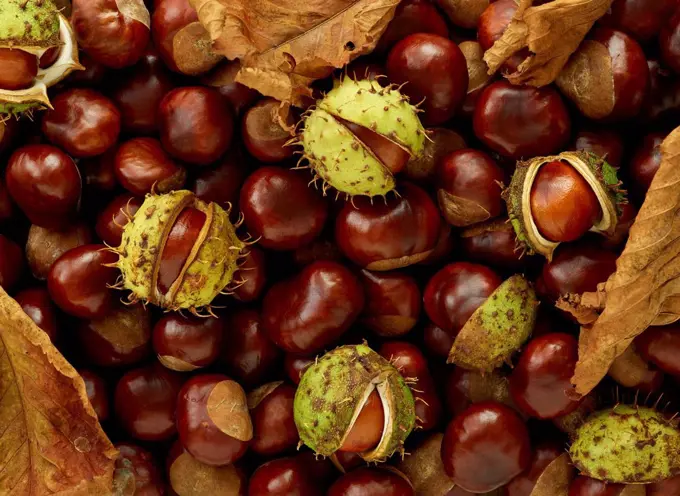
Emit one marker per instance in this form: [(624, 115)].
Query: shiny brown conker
[(142, 166), (187, 343)]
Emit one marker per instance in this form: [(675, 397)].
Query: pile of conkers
[(267, 314)]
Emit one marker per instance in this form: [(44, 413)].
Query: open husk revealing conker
[(498, 328), (34, 27), (333, 392), (598, 175), (204, 245), (361, 134)]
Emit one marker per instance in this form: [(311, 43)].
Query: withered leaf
[(552, 32), (50, 439), (285, 45), (645, 289), (556, 478)]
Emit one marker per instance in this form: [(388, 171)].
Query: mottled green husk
[(607, 191), (627, 445), (333, 390), (498, 328), (209, 269), (342, 160), (31, 25)]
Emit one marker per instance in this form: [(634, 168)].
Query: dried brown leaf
[(552, 32), (645, 289), (285, 45), (556, 478), (50, 439)]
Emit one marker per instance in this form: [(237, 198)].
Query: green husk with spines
[(333, 391), (627, 445), (29, 25)]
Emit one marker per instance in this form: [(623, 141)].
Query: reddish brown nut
[(139, 91), (282, 477), (83, 122), (541, 381), (262, 134), (310, 311), (487, 434), (271, 410), (641, 19), (437, 341), (98, 172), (669, 42), (645, 162), (280, 209), (295, 365), (411, 16), (492, 23), (113, 33), (213, 420), (222, 183), (660, 345), (387, 235), (524, 483), (478, 73), (372, 481), (455, 292), (12, 263), (187, 343), (436, 71), (142, 167), (196, 124), (563, 204), (521, 121), (251, 276), (223, 78), (248, 353), (604, 143), (466, 387), (37, 304), (145, 400), (423, 169), (148, 476), (45, 184), (494, 244), (45, 246), (112, 220), (79, 282), (392, 303), (122, 337), (368, 427), (97, 393), (469, 187), (585, 486), (19, 69)]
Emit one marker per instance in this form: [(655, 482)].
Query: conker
[(271, 410), (36, 303), (283, 477), (97, 393), (585, 486), (669, 42), (411, 16), (196, 124), (604, 143), (436, 72), (660, 345), (393, 303), (112, 219), (142, 167), (19, 69), (262, 134), (83, 122), (251, 276), (187, 343), (148, 476), (645, 162), (45, 246), (372, 481), (641, 19), (368, 427)]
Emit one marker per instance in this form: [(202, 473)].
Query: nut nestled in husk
[(35, 26), (359, 135), (208, 268), (498, 328), (333, 392), (627, 445), (599, 175)]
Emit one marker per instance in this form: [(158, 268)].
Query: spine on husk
[(35, 26), (332, 393), (338, 157), (209, 269), (596, 171)]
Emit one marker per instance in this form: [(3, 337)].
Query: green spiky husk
[(332, 392), (599, 174), (29, 25), (209, 268), (338, 157), (627, 445), (498, 328)]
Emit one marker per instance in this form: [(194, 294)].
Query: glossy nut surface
[(391, 234), (393, 303), (83, 122), (313, 309), (456, 291), (221, 184), (660, 345), (108, 33), (281, 209), (45, 184), (97, 393), (604, 143), (248, 353), (585, 486), (641, 19), (187, 343), (492, 24), (541, 380), (524, 483), (493, 244), (436, 71), (645, 162), (283, 477), (521, 121), (274, 430), (263, 135), (112, 219), (145, 400), (487, 434), (78, 281), (411, 16), (199, 435), (371, 481), (142, 166), (38, 305), (251, 276), (196, 124), (148, 476), (19, 69)]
